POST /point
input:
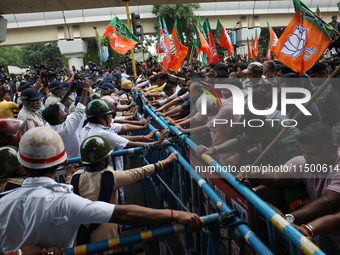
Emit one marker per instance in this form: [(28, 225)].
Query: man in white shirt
[(48, 214), (56, 90), (67, 127)]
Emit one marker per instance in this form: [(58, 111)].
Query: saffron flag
[(121, 38), (201, 56), (256, 48), (272, 41), (180, 51), (166, 45), (253, 46), (268, 54), (223, 38), (318, 13), (304, 40), (211, 40), (203, 45), (250, 53), (272, 38)]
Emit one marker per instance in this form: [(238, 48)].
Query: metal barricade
[(298, 243)]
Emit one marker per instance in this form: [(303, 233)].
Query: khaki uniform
[(4, 182), (89, 187), (31, 119)]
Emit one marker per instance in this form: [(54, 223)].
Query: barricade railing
[(220, 205), (273, 219), (144, 236), (229, 219)]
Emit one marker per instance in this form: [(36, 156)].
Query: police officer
[(124, 93), (11, 172), (49, 214), (106, 88), (31, 100), (99, 182)]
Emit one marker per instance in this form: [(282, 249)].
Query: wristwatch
[(290, 218)]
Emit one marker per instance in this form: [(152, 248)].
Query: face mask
[(33, 105)]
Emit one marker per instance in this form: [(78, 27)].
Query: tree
[(92, 54), (33, 54), (186, 16), (10, 56), (264, 38)]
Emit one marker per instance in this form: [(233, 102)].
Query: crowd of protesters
[(47, 117)]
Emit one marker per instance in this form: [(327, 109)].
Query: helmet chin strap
[(107, 162), (107, 123)]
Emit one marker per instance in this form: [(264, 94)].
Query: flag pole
[(132, 51), (335, 31), (298, 115), (153, 58), (191, 53)]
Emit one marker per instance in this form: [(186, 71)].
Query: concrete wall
[(29, 35)]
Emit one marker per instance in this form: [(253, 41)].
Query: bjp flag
[(304, 40)]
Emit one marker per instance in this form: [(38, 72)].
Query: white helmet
[(41, 147)]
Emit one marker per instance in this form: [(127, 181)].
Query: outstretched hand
[(191, 220)]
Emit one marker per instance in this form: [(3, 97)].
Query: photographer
[(56, 90)]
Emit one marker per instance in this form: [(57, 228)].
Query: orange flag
[(181, 52), (250, 53), (203, 45), (304, 40)]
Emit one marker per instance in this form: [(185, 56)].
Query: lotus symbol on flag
[(296, 44), (163, 47), (114, 37)]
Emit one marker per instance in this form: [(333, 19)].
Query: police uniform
[(46, 213), (31, 119), (10, 183), (89, 187)]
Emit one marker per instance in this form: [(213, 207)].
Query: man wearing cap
[(106, 88), (117, 79), (31, 100), (256, 79), (56, 90)]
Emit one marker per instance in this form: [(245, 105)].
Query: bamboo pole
[(153, 58), (132, 51)]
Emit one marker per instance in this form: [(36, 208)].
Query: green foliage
[(264, 38), (93, 52), (10, 56), (186, 16), (41, 54)]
